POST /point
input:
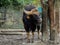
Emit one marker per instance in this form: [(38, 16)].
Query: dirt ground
[(21, 40)]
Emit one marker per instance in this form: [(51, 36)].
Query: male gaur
[(31, 21)]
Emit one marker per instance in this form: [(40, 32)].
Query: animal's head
[(37, 19)]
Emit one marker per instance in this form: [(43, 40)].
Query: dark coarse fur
[(32, 23)]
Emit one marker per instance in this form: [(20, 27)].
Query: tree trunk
[(57, 20), (44, 21), (52, 23)]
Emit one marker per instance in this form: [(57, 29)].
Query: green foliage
[(17, 4), (4, 3), (14, 12)]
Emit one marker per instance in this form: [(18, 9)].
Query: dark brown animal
[(32, 23)]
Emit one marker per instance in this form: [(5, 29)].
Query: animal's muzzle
[(39, 21)]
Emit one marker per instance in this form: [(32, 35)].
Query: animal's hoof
[(38, 38), (32, 41), (25, 38), (28, 41)]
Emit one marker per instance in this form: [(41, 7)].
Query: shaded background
[(11, 12)]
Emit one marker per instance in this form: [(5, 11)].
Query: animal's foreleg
[(38, 34), (28, 37), (32, 35), (38, 28)]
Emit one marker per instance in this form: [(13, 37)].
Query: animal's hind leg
[(32, 37)]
